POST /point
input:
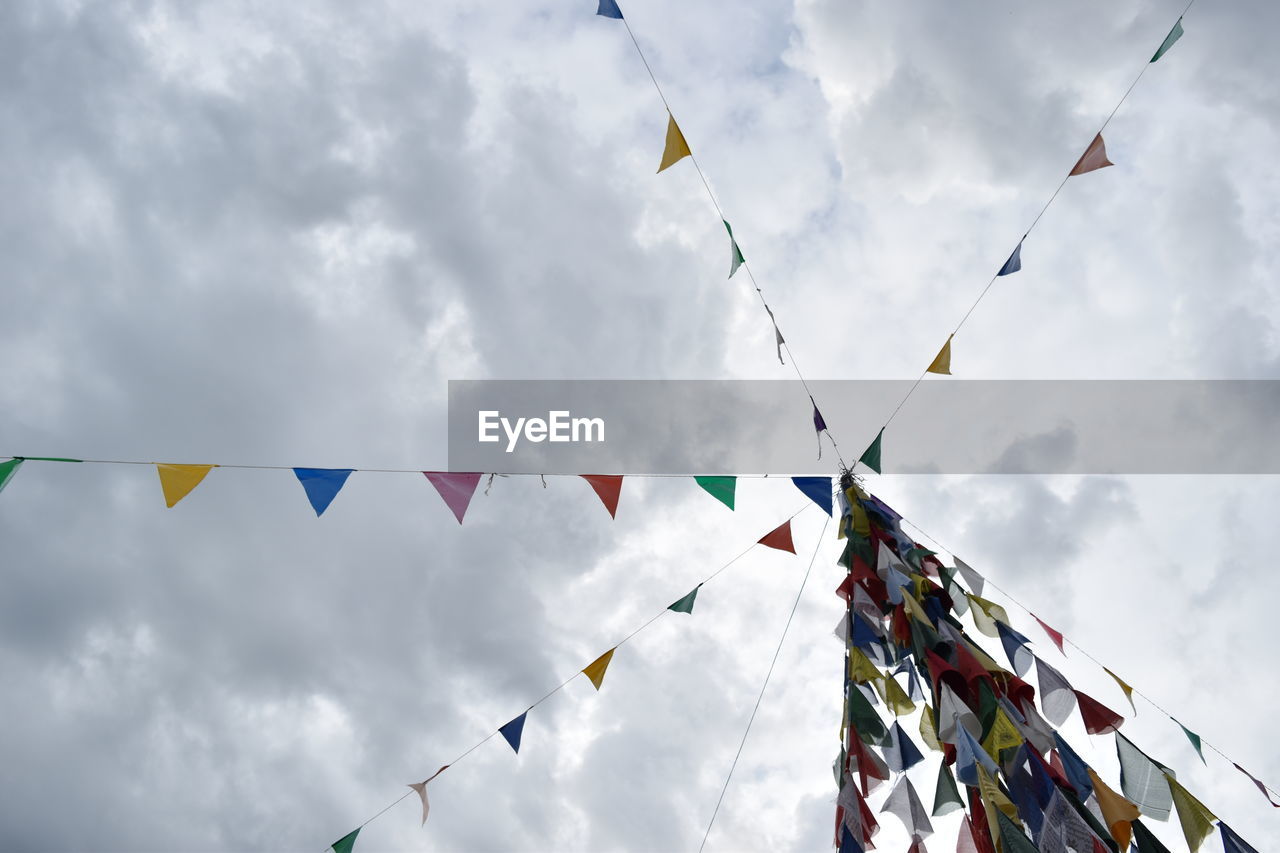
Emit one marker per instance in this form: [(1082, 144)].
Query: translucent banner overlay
[(948, 426)]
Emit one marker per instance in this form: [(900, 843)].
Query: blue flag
[(1077, 770), (900, 754), (1233, 843), (512, 731), (1014, 263), (322, 485), (817, 489), (609, 9)]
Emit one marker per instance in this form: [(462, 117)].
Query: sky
[(269, 234)]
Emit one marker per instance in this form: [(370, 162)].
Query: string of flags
[(1003, 761), (456, 488), (512, 731)]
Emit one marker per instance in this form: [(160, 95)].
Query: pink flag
[(1094, 157), (608, 487), (456, 489), (1056, 636)]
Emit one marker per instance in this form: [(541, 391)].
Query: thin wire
[(1030, 228), (720, 212), (565, 683), (1082, 651), (763, 686)]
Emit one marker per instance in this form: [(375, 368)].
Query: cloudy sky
[(268, 234)]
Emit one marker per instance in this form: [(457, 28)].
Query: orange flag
[(780, 538), (608, 487), (677, 149), (595, 669), (1094, 157), (1118, 812)]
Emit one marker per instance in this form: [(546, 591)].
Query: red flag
[(1056, 636), (779, 537), (608, 487), (1098, 718)]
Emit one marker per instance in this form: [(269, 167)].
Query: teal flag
[(1174, 35), (7, 470), (946, 797), (720, 488), (871, 456), (346, 843), (1195, 740), (685, 605), (735, 260)]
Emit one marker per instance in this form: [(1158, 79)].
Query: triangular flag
[(946, 797), (421, 788), (819, 424), (735, 254), (817, 489), (778, 341), (1056, 636), (456, 489), (1148, 843), (1195, 741), (871, 456), (1197, 821), (1056, 695), (512, 731), (900, 753), (1012, 839), (1128, 691), (1261, 787), (779, 537), (941, 363), (595, 669), (1117, 812), (609, 9), (7, 470), (975, 581), (608, 487), (1098, 718), (685, 605), (676, 148), (1093, 158), (346, 843), (1232, 843), (904, 804), (1174, 35), (1143, 780), (177, 481), (720, 488), (322, 485), (1014, 263)]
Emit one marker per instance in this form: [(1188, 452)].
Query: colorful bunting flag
[(1197, 821), (1014, 264), (322, 485), (346, 843), (1116, 811), (1261, 787), (595, 669), (608, 487), (513, 730), (975, 581), (735, 255), (1056, 696), (941, 363), (1128, 691), (777, 337), (1013, 839), (720, 488), (685, 605), (7, 470), (817, 489), (900, 753), (1143, 780), (904, 804), (946, 797), (177, 481), (456, 489), (421, 788), (676, 148), (1098, 718), (871, 456), (1232, 843), (609, 9), (1195, 740), (1093, 158), (1015, 648), (1174, 35), (779, 537), (1056, 636), (1145, 841)]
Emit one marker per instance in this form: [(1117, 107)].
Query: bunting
[(1093, 158), (1257, 782), (736, 260), (455, 489), (1196, 820), (1195, 741), (779, 538), (685, 605), (676, 148), (346, 843), (177, 481), (512, 731), (607, 487), (1014, 264), (720, 488), (1055, 636), (1128, 691), (421, 789), (1174, 35), (7, 471), (817, 489), (1116, 811), (322, 485), (609, 9), (1231, 843), (941, 363), (871, 456), (595, 669)]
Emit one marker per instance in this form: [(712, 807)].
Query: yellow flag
[(1128, 691), (895, 698), (1118, 812), (942, 361), (929, 733), (677, 149), (595, 669), (1003, 735), (993, 798), (985, 613), (177, 481), (861, 669), (1197, 821)]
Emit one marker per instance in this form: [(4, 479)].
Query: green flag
[(946, 797), (736, 260), (1014, 841), (1174, 35), (685, 605), (871, 456), (346, 843), (720, 488), (7, 470), (1195, 740)]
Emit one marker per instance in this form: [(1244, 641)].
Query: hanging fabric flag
[(1195, 740), (1098, 718), (513, 730), (941, 363), (1232, 843), (177, 481), (322, 485), (1064, 829), (904, 804), (779, 537), (971, 577), (818, 423), (1197, 821), (1143, 780), (871, 456), (1014, 263), (777, 338), (456, 489), (946, 797), (1261, 787), (1012, 839), (1117, 812), (421, 788), (1015, 648), (1093, 158), (1174, 35), (595, 669), (608, 487), (346, 843), (735, 260), (1145, 842), (1056, 636), (1072, 766), (966, 841), (609, 9), (1128, 691), (685, 605), (817, 489), (7, 470), (900, 753), (1056, 696), (969, 756), (1003, 735), (676, 148), (953, 715), (720, 488), (987, 615)]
